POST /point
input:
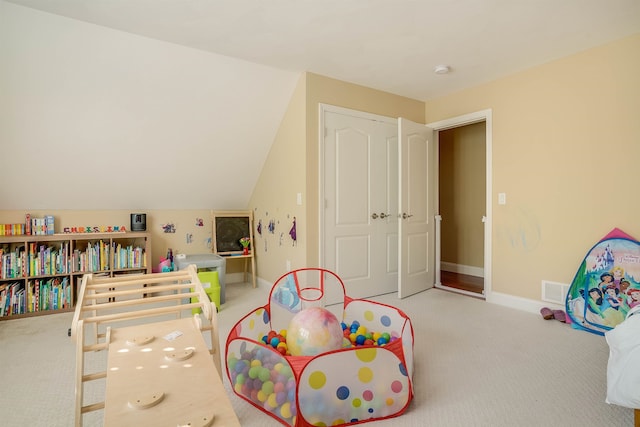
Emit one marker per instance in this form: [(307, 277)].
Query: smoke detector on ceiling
[(442, 69)]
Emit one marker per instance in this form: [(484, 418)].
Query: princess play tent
[(606, 285)]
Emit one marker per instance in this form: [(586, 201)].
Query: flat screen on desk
[(229, 231)]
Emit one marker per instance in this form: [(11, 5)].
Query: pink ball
[(313, 331)]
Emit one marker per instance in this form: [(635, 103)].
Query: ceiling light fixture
[(442, 69)]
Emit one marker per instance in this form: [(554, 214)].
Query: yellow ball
[(271, 400), (285, 410)]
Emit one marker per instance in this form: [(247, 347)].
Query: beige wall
[(292, 167), (565, 151), (275, 195), (462, 194)]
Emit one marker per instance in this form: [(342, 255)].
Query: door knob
[(374, 215), (384, 215), (405, 216)]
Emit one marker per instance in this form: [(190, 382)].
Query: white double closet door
[(378, 214)]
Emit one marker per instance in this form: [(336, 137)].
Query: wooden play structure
[(159, 370)]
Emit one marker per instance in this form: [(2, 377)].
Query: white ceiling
[(387, 45)]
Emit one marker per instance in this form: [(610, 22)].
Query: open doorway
[(463, 226), (462, 204)]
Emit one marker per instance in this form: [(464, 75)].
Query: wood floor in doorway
[(462, 281)]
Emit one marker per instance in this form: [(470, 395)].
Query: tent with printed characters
[(606, 285)]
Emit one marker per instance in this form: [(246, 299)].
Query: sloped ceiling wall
[(94, 118)]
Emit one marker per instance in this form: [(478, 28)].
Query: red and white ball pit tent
[(362, 381)]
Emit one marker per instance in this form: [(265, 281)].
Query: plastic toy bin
[(211, 285), (206, 263), (350, 385)]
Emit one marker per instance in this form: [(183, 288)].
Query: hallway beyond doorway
[(462, 281)]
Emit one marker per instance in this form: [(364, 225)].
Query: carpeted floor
[(476, 364)]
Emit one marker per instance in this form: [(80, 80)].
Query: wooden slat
[(90, 313)]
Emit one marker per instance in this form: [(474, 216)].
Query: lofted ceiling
[(388, 45)]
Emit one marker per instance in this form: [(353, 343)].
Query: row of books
[(12, 229), (98, 257), (128, 257), (48, 260), (95, 257), (35, 226), (37, 261), (40, 226), (36, 295)]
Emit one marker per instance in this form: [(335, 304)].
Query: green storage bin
[(211, 284)]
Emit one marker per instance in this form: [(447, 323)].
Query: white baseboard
[(519, 303), (462, 269), (525, 304)]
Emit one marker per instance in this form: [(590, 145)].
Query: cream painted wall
[(565, 151), (292, 167), (565, 142), (462, 194), (274, 199)]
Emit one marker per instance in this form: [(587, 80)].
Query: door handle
[(374, 215), (405, 216), (384, 215)]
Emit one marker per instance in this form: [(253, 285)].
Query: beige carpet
[(476, 364)]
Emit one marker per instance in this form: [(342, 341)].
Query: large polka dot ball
[(313, 331)]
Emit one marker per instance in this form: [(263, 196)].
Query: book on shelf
[(12, 296), (13, 263)]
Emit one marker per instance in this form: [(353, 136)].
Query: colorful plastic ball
[(264, 374), (254, 371), (313, 331), (285, 410), (272, 400)]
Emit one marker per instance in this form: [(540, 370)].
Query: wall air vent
[(554, 292)]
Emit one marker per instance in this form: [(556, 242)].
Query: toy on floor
[(353, 382)]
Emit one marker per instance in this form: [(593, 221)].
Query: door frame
[(454, 122)]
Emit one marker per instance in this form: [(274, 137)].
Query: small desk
[(157, 383), (246, 259)]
